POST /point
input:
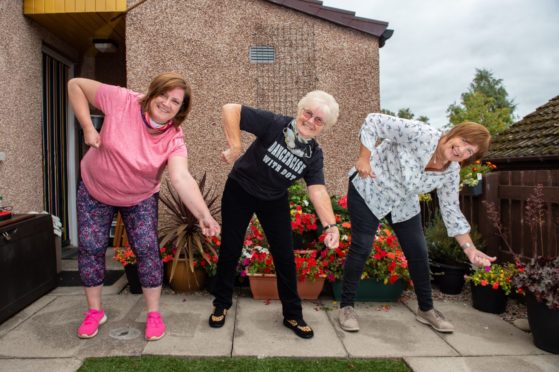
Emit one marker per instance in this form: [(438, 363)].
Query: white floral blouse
[(399, 163)]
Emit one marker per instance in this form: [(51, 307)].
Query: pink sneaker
[(155, 328), (90, 325)]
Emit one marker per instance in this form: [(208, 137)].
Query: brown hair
[(163, 83), (473, 133)]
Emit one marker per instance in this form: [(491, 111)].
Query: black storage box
[(27, 261)]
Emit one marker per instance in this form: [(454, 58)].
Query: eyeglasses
[(308, 115)]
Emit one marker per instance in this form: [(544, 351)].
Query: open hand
[(478, 258)]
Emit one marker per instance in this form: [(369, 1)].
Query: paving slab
[(260, 332), (51, 332), (389, 330), (24, 314), (188, 332), (525, 363), (34, 365), (478, 333)]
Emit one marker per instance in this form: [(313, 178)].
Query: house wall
[(21, 174), (208, 43)]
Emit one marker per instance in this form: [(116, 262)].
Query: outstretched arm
[(190, 194), (81, 93), (323, 206)]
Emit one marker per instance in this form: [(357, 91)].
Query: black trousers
[(237, 208), (364, 225)]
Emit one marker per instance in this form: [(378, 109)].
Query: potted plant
[(538, 277), (127, 258), (471, 177), (491, 286), (258, 265), (448, 262), (179, 228), (385, 275)]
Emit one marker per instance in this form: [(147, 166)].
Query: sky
[(432, 57)]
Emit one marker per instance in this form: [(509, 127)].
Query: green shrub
[(445, 249)]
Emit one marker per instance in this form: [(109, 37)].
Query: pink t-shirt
[(128, 165)]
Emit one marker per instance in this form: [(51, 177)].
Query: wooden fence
[(509, 191)]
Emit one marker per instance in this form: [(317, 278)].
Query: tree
[(405, 113), (486, 102)]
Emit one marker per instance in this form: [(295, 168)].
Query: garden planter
[(544, 324), (134, 285), (184, 280), (449, 278), (372, 290), (489, 300), (264, 287), (476, 190)]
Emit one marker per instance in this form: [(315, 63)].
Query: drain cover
[(124, 333)]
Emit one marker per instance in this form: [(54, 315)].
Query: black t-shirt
[(268, 168)]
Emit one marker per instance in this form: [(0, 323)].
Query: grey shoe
[(348, 319), (435, 319)]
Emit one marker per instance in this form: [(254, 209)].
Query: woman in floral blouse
[(399, 159)]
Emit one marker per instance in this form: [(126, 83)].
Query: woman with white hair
[(285, 150)]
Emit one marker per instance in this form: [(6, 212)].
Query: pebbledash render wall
[(21, 174), (208, 42)]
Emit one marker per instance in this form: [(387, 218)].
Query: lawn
[(161, 364)]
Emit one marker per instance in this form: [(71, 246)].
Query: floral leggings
[(94, 223)]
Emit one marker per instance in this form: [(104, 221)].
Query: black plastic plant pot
[(544, 324), (488, 300), (449, 278)]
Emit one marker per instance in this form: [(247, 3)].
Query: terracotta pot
[(265, 287), (184, 280)]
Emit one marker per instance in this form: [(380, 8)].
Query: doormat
[(72, 278), (69, 252)]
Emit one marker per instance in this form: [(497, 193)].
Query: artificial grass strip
[(164, 363)]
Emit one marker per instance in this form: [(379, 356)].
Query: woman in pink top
[(141, 135)]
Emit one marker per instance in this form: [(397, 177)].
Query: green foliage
[(443, 248), (405, 113), (387, 112), (486, 102), (470, 174), (167, 364), (298, 196)]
